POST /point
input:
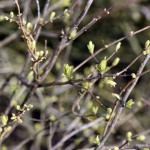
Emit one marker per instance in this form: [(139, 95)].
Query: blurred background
[(53, 102)]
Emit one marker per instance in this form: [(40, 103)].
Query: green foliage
[(90, 47), (102, 66), (73, 34), (133, 75), (116, 62), (109, 110), (52, 15), (118, 46), (97, 140), (37, 46), (129, 136), (29, 27), (11, 15), (116, 96), (68, 71), (129, 103), (110, 82), (140, 138), (147, 48), (95, 109), (4, 119), (116, 148)]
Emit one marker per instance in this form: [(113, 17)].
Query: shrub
[(75, 76)]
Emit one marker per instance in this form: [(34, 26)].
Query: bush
[(74, 75)]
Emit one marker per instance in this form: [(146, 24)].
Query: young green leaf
[(128, 136), (133, 75), (86, 84), (111, 82), (90, 47), (29, 26), (147, 44), (129, 103), (102, 66), (52, 15), (97, 140), (11, 15), (109, 110), (116, 62), (118, 46), (116, 96), (4, 119), (41, 21), (95, 109), (73, 34), (116, 148), (141, 138), (68, 71)]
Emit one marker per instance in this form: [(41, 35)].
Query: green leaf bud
[(68, 71), (29, 26), (18, 107), (106, 46), (107, 116), (32, 59), (86, 84), (95, 110), (110, 82), (66, 13), (129, 103), (52, 117), (128, 136), (118, 46), (102, 66), (11, 15), (24, 22), (19, 120), (13, 117), (147, 44), (37, 54), (1, 18), (52, 15), (37, 126), (116, 61), (133, 75), (32, 44), (46, 53), (116, 96), (41, 53), (73, 34), (145, 52), (109, 110), (148, 51), (4, 119), (41, 21), (116, 148), (90, 47), (97, 140), (98, 97), (141, 138)]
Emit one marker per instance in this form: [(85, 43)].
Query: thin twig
[(124, 99), (76, 131), (109, 45)]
